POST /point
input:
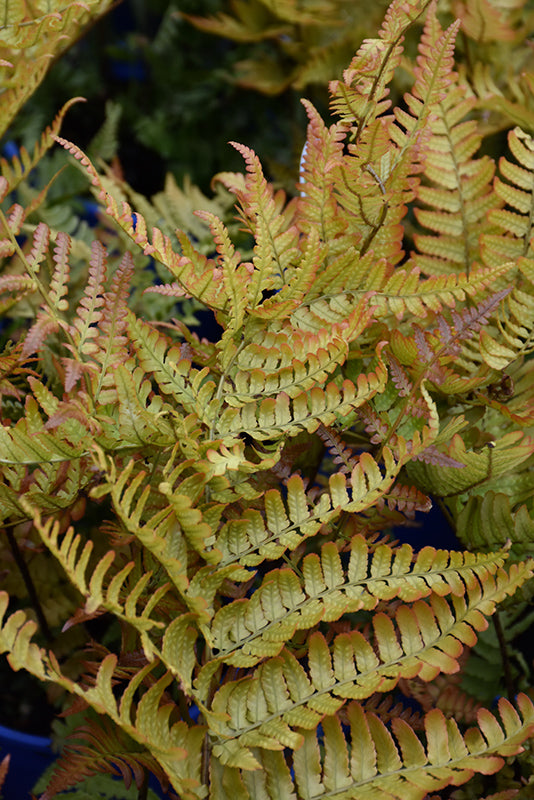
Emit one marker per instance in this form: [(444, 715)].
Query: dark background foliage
[(179, 105)]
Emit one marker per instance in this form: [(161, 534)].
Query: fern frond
[(191, 269), (435, 64), (485, 21), (23, 444), (174, 374), (487, 520), (122, 589), (25, 28), (513, 224), (490, 463), (393, 762), (141, 418), (112, 323), (457, 188), (96, 747), (282, 697), (285, 524), (361, 96), (18, 168), (405, 290), (245, 632), (317, 205), (272, 226), (89, 312), (432, 354), (176, 747), (158, 533), (284, 415), (292, 360)]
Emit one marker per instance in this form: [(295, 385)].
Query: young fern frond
[(276, 238), (362, 94)]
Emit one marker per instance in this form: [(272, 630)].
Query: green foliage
[(43, 29), (229, 501)]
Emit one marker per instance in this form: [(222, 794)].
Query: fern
[(233, 503)]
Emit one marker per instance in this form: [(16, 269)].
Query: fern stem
[(29, 584), (511, 690), (143, 789), (219, 395)]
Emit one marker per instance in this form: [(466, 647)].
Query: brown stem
[(30, 586), (143, 789)]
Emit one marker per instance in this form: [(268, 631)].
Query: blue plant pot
[(30, 756)]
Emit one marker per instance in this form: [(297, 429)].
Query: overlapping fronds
[(450, 356), (266, 709), (362, 94), (482, 466), (252, 538), (244, 490), (245, 632)]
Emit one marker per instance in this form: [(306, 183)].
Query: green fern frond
[(282, 697), (34, 445), (123, 588), (393, 762), (512, 395), (485, 521), (256, 536), (276, 239), (308, 357), (457, 188), (142, 418), (482, 467), (405, 291), (243, 633)]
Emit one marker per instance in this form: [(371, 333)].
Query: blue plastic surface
[(30, 756)]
